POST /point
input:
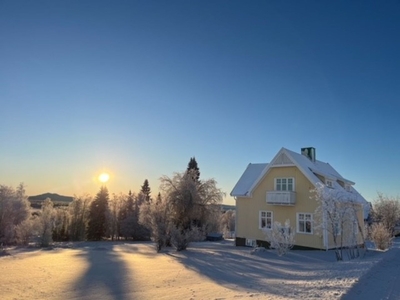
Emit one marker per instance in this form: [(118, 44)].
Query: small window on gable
[(284, 184), (347, 187), (329, 183)]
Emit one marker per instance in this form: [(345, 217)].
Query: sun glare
[(104, 177)]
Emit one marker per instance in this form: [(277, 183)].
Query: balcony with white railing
[(281, 197)]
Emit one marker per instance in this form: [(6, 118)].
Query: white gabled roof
[(250, 175), (254, 174)]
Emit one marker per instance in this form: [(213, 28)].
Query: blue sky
[(136, 88)]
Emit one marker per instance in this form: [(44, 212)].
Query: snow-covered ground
[(207, 270)]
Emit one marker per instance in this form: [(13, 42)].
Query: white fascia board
[(263, 173)]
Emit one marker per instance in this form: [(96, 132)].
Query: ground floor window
[(265, 219), (304, 223)]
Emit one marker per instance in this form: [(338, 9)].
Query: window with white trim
[(284, 184), (329, 183), (265, 219), (304, 223)]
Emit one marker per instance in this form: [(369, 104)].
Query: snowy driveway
[(382, 281)]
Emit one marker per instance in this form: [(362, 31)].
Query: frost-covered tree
[(79, 217), (191, 202), (61, 224), (114, 212), (387, 211), (280, 238), (97, 226), (45, 223), (336, 213), (24, 231), (227, 222), (128, 216), (155, 216), (14, 209)]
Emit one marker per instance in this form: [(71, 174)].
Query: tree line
[(186, 209)]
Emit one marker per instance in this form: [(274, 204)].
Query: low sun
[(104, 177)]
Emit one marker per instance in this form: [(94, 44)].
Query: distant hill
[(56, 198)]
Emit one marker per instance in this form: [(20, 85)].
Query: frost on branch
[(336, 214), (381, 236), (281, 238)]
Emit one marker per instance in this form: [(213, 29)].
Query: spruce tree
[(97, 215), (159, 199), (192, 165), (145, 190)]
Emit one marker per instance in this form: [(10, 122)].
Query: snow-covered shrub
[(381, 236), (24, 232), (281, 238), (180, 238), (387, 211), (44, 224)]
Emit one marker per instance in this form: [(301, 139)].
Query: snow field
[(207, 270)]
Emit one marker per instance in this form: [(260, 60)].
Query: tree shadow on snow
[(107, 276), (234, 267)]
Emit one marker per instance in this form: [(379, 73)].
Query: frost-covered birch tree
[(336, 213), (155, 216)]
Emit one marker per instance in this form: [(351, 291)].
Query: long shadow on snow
[(264, 272), (107, 276)]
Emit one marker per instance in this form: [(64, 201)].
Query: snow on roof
[(250, 175), (255, 172)]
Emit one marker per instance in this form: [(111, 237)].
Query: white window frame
[(251, 243), (287, 184), (260, 217), (329, 183), (304, 214)]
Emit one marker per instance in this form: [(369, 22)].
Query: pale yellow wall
[(248, 208), (360, 217)]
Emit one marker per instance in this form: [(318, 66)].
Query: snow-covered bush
[(381, 236), (24, 232), (181, 238), (281, 238), (45, 223), (387, 211)]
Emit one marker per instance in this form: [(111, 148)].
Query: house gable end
[(282, 160)]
